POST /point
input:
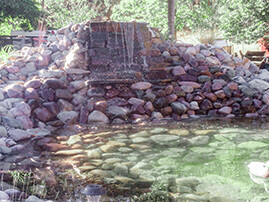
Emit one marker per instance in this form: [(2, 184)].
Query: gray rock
[(2, 97), (97, 117), (33, 199), (29, 68), (247, 91), (121, 169), (3, 131), (11, 122), (67, 116), (5, 150), (115, 111), (38, 132), (165, 139), (259, 84), (18, 134), (264, 75), (4, 196), (179, 108), (199, 140), (51, 74)]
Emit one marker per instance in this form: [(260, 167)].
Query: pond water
[(192, 160)]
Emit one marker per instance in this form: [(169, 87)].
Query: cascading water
[(118, 51)]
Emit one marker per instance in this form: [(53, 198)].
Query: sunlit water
[(198, 160)]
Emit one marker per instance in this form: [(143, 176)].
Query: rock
[(206, 105), (55, 84), (4, 196), (225, 110), (25, 121), (2, 97), (31, 93), (177, 71), (18, 134), (220, 94), (3, 131), (252, 145), (187, 89), (43, 114), (121, 170), (199, 140), (136, 101), (77, 85), (68, 116), (94, 154), (252, 115), (64, 94), (97, 117), (216, 86), (96, 92), (33, 199), (21, 109), (179, 108), (258, 84), (115, 111), (165, 139), (141, 86), (39, 132), (204, 78), (189, 83)]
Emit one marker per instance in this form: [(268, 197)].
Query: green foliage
[(21, 14), (63, 12), (246, 21), (153, 12), (205, 15), (5, 53)]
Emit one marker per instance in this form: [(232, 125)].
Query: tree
[(64, 12), (153, 12), (171, 18), (22, 13), (245, 21)]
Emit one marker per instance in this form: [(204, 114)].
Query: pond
[(192, 160)]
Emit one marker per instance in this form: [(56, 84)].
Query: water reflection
[(199, 160)]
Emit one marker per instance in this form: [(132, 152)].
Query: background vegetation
[(239, 20)]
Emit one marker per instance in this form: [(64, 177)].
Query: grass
[(5, 53)]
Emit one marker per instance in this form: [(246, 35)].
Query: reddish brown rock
[(64, 105), (211, 96), (100, 106), (166, 111), (173, 51), (47, 94), (43, 114), (112, 93), (220, 94), (138, 109), (171, 98), (206, 105), (168, 89), (149, 107), (141, 86), (189, 83), (233, 86), (31, 93)]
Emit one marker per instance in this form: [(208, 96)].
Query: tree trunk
[(171, 18)]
